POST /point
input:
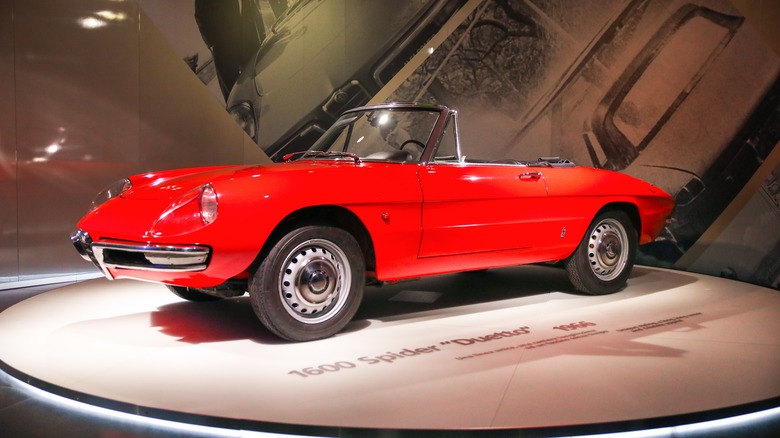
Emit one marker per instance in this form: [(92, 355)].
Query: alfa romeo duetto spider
[(385, 194)]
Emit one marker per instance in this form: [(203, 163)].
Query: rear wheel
[(310, 284), (191, 294), (603, 260)]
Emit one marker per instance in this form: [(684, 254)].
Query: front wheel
[(603, 260), (310, 284)]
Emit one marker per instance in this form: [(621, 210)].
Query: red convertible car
[(385, 194)]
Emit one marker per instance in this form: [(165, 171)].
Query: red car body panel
[(439, 218)]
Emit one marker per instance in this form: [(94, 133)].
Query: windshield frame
[(349, 118)]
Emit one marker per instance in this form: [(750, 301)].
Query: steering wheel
[(417, 151)]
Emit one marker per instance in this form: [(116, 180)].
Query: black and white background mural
[(683, 94)]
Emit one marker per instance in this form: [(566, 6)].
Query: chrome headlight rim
[(209, 204), (192, 211)]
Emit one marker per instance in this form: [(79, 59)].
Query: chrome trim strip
[(160, 258), (398, 105)]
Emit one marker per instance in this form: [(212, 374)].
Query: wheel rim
[(607, 252), (315, 281)]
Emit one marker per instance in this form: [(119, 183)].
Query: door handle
[(530, 176)]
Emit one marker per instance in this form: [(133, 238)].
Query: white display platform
[(495, 349)]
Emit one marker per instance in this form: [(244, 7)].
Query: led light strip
[(122, 418), (699, 429)]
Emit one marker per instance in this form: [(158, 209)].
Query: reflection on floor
[(507, 348)]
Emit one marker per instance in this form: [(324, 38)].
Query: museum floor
[(501, 350)]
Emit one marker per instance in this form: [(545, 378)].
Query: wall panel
[(77, 119), (8, 229), (90, 92)]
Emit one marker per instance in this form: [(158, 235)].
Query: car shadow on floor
[(225, 320), (233, 319), (394, 301)]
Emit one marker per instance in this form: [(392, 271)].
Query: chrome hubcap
[(315, 281), (606, 249)]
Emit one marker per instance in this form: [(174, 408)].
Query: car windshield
[(378, 134)]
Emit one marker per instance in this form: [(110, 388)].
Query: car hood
[(171, 184)]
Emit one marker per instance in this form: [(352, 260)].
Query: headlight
[(192, 211), (245, 118), (208, 205), (115, 189)]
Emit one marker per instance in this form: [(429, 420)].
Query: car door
[(474, 208)]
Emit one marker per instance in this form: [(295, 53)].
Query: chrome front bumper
[(161, 258)]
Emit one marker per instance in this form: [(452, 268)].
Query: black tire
[(191, 294), (604, 259), (310, 284)]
